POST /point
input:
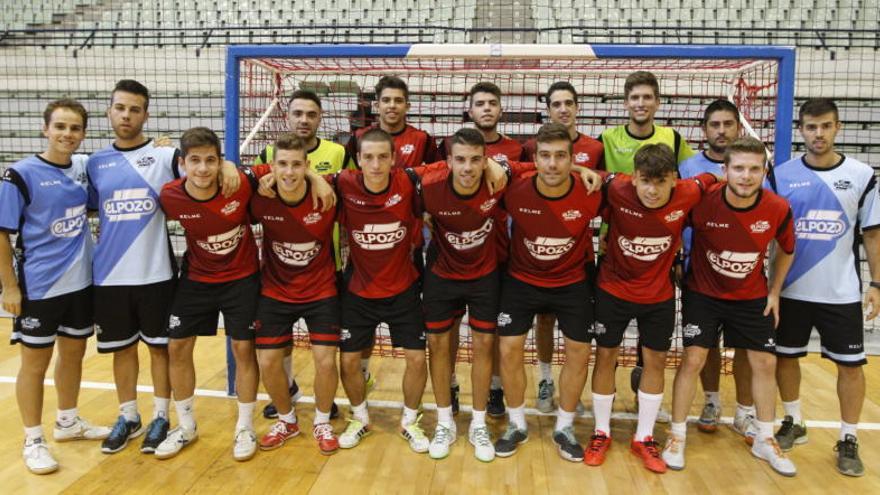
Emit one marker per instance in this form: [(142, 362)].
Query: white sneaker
[(673, 453), (37, 457), (745, 425), (80, 430), (481, 439), (444, 437), (353, 434), (175, 441), (244, 444), (768, 450), (415, 435), (663, 416)]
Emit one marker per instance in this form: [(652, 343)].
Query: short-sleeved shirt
[(621, 146), (503, 149), (412, 146), (692, 167), (326, 157), (586, 151)]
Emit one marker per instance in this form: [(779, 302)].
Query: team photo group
[(559, 231)]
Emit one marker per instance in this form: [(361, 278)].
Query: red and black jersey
[(551, 240), (643, 242), (586, 151), (298, 265), (503, 149), (381, 229), (412, 146), (727, 258), (220, 246)]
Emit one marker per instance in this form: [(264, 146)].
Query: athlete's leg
[(68, 370), (573, 376), (483, 345), (850, 392), (513, 373), (159, 370), (763, 381), (685, 384), (181, 367), (29, 383), (274, 380), (710, 377), (326, 376), (742, 376), (441, 369), (415, 376), (125, 373)]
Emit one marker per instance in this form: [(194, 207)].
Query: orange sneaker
[(328, 444), (648, 451), (278, 434), (599, 445)]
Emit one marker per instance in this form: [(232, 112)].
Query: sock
[(649, 406), (246, 415), (409, 416), (66, 417), (478, 418), (290, 417), (287, 364), (742, 411), (517, 416), (765, 429), (793, 409), (495, 384), (454, 382), (129, 410), (360, 413), (444, 416), (546, 371), (365, 366), (563, 419), (713, 398), (679, 429), (160, 407), (848, 429), (33, 432), (321, 417), (185, 417), (602, 405)]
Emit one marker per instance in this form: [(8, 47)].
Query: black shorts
[(656, 321), (197, 305), (68, 315), (125, 314), (840, 326), (402, 313), (445, 299), (744, 324), (520, 302), (275, 320)]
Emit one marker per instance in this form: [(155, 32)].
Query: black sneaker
[(567, 446), (122, 432), (495, 407), (454, 394), (508, 443), (790, 434), (269, 412), (157, 430), (848, 461), (635, 377)]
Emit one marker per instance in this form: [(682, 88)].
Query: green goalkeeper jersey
[(326, 158), (621, 146)]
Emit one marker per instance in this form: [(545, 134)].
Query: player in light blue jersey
[(832, 197), (44, 202)]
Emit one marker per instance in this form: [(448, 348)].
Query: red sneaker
[(278, 434), (599, 445), (649, 453), (327, 441)]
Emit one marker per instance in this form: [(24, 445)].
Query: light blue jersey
[(693, 166), (829, 205), (124, 184), (45, 203)]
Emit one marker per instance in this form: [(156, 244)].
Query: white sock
[(360, 413), (287, 364), (680, 429), (444, 416), (742, 411), (495, 384), (290, 417), (765, 429), (517, 416), (321, 417), (563, 419), (478, 418), (649, 406), (246, 416), (409, 416), (848, 429), (66, 417), (185, 416), (713, 398), (365, 366), (454, 382), (160, 407), (33, 432), (793, 409), (546, 371), (602, 405), (129, 410)]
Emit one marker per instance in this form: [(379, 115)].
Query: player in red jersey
[(647, 213), (551, 247), (298, 281), (725, 287), (219, 275)]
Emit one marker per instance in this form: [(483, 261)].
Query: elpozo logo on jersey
[(673, 216), (644, 248), (296, 253), (379, 236), (393, 200), (71, 224), (471, 239), (760, 227), (571, 215), (407, 149), (549, 248), (129, 204), (820, 225), (223, 243), (733, 264), (230, 207), (488, 204), (312, 218), (581, 157)]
